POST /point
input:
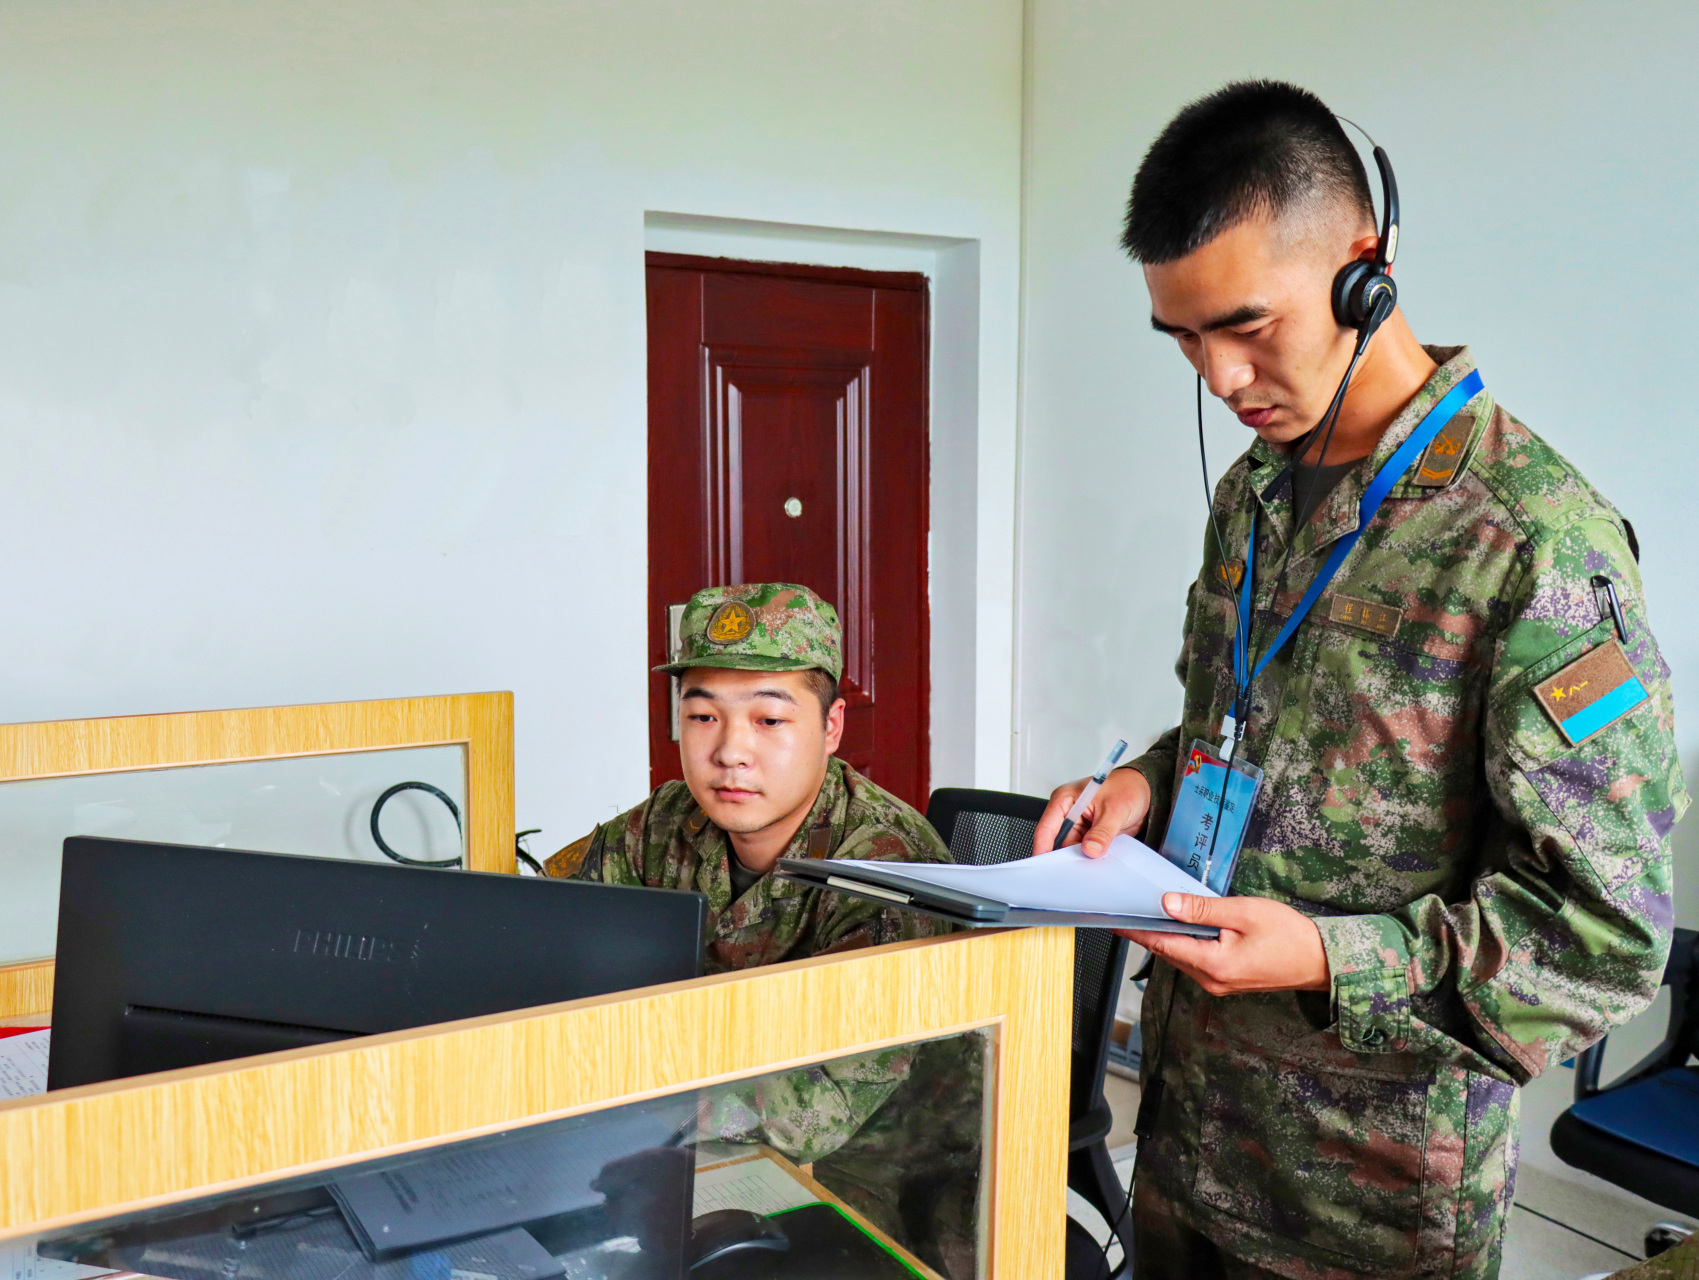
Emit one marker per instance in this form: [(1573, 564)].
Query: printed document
[(23, 1065), (1128, 880)]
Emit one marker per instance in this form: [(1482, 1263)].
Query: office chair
[(985, 827), (1642, 1132)]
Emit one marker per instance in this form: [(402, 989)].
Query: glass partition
[(319, 805), (866, 1166)]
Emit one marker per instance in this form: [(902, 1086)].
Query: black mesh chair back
[(986, 827)]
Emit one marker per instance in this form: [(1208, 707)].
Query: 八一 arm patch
[(1592, 693)]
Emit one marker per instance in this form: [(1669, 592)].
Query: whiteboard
[(320, 806)]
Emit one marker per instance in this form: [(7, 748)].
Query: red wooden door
[(787, 443)]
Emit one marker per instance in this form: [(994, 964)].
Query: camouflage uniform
[(1491, 897), (668, 842)]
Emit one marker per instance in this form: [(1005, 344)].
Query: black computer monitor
[(173, 955)]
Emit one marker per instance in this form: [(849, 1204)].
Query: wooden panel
[(81, 1154), (26, 988), (794, 424), (481, 722)]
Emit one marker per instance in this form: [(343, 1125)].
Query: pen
[(1115, 754)]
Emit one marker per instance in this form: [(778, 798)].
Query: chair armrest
[(1588, 1064)]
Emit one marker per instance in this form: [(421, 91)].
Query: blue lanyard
[(1389, 474)]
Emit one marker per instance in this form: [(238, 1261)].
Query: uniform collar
[(1270, 474)]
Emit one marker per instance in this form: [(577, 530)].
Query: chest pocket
[(1386, 737), (1367, 696)]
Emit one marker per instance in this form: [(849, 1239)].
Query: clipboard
[(895, 885)]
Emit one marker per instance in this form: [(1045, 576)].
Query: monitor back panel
[(171, 955)]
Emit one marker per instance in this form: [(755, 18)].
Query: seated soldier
[(759, 718)]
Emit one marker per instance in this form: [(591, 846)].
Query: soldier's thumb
[(1096, 841), (1193, 909)]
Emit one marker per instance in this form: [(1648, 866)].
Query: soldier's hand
[(1264, 945), (1120, 805)]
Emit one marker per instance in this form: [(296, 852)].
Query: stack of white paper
[(1128, 880), (23, 1065)]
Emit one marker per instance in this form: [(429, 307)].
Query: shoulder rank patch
[(1232, 573), (1365, 615), (820, 840), (1592, 693), (1439, 464)]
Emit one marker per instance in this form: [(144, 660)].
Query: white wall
[(1546, 163), (321, 333)]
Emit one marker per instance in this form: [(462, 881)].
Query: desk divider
[(481, 723), (83, 1154)]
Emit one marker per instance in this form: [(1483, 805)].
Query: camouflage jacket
[(667, 842), (1491, 897)]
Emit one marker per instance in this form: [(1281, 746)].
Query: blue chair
[(1642, 1132)]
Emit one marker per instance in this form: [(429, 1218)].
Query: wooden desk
[(84, 1155)]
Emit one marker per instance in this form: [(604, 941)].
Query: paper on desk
[(21, 1262), (1128, 880), (23, 1067), (757, 1185)]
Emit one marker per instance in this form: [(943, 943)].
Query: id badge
[(1197, 805)]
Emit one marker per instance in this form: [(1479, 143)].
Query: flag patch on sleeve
[(1592, 693)]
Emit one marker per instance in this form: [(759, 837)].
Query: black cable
[(1126, 1208), (1209, 505), (377, 835), (523, 854)]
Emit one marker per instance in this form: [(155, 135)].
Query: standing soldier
[(1456, 873)]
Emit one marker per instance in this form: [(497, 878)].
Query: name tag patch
[(1365, 615), (1592, 693)]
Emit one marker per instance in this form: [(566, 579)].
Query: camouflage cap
[(759, 626)]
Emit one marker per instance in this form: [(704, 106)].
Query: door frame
[(657, 623)]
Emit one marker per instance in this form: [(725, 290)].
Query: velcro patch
[(1232, 573), (1445, 454), (1592, 693), (820, 841), (1365, 615)]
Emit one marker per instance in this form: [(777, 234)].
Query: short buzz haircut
[(823, 685), (1255, 147)]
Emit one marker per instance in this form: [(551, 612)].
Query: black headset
[(1364, 294)]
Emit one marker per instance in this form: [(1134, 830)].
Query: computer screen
[(173, 955)]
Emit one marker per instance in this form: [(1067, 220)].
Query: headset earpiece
[(1356, 289), (1360, 286)]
